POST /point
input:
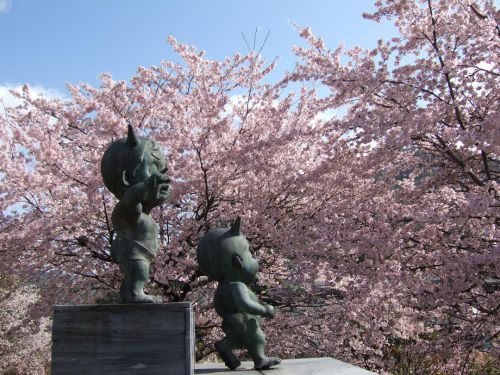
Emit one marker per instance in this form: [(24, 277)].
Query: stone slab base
[(144, 339), (305, 366)]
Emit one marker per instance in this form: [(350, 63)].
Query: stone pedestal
[(304, 366), (123, 339)]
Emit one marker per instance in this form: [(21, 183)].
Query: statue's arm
[(241, 296), (131, 200), (130, 203)]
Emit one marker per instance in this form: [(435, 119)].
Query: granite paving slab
[(304, 366)]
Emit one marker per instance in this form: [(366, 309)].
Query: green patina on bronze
[(224, 255), (134, 170)]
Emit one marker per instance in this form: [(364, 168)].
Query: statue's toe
[(141, 298), (267, 362)]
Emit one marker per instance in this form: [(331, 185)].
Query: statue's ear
[(237, 261), (124, 178), (235, 228)]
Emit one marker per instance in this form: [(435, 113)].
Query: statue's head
[(224, 255), (131, 160)]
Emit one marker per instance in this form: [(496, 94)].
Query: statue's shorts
[(123, 250)]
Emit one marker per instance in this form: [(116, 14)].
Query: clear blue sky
[(51, 42)]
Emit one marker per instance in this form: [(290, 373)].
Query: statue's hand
[(269, 311), (155, 180)]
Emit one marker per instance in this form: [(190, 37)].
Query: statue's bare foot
[(157, 299), (267, 362), (141, 298), (227, 355)]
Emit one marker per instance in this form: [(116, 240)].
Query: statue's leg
[(125, 287), (256, 341), (225, 349), (135, 276)]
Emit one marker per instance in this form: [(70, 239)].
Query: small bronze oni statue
[(223, 254), (134, 170)]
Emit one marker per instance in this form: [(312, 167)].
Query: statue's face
[(246, 267), (153, 162)]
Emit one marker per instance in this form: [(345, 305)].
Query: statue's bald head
[(124, 155)]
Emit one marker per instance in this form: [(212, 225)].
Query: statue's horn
[(132, 139), (235, 228)]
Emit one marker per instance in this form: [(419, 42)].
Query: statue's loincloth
[(123, 249)]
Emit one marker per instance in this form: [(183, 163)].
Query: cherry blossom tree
[(24, 335), (376, 230), (423, 115), (237, 146)]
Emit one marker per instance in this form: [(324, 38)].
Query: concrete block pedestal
[(123, 339)]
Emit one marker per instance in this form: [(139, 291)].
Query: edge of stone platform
[(171, 306)]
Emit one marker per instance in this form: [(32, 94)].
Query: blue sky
[(47, 43)]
